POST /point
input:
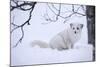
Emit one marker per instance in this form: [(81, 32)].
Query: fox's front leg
[(63, 48), (70, 46)]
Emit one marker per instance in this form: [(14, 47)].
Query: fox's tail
[(41, 44)]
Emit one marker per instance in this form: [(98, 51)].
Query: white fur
[(63, 40)]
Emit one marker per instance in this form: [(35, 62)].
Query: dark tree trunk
[(90, 13)]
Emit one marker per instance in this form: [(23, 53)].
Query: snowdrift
[(36, 55)]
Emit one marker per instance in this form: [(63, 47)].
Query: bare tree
[(58, 11), (90, 12), (21, 6)]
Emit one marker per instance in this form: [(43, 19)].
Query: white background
[(5, 42)]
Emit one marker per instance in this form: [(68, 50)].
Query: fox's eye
[(73, 28), (77, 28)]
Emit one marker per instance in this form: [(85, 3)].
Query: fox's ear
[(71, 25), (81, 25)]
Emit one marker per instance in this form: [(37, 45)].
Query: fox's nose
[(75, 32)]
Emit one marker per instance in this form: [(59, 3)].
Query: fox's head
[(76, 27)]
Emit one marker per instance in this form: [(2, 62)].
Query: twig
[(20, 40), (21, 5), (32, 5), (56, 14), (59, 12)]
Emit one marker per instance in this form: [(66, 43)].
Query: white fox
[(63, 40)]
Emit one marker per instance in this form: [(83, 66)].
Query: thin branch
[(68, 17), (30, 15), (14, 24), (83, 7), (54, 7), (27, 22), (59, 12), (32, 5), (25, 9), (51, 9), (21, 5), (56, 14), (80, 14), (13, 21), (20, 40), (15, 29), (78, 9), (47, 16)]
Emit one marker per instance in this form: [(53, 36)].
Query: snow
[(36, 55), (24, 54)]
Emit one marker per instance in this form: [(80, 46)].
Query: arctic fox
[(64, 39)]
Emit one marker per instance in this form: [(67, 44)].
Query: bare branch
[(51, 9), (20, 6), (47, 16), (80, 14), (54, 7), (58, 13), (15, 29), (20, 40)]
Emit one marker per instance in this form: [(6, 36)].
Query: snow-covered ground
[(24, 54), (36, 55)]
